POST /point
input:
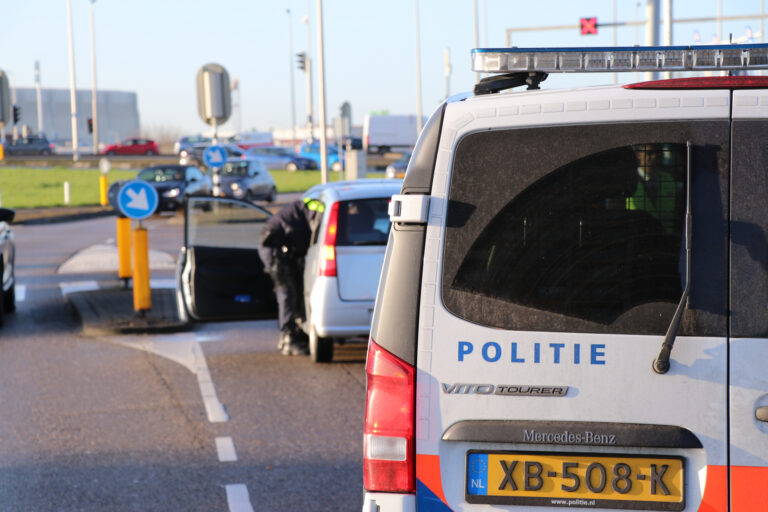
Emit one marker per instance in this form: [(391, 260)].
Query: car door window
[(224, 223)]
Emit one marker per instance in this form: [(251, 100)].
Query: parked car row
[(174, 183), (34, 145)]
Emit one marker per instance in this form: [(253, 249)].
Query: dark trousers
[(287, 275)]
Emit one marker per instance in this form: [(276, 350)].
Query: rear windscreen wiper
[(661, 364)]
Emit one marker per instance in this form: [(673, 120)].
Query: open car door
[(220, 275)]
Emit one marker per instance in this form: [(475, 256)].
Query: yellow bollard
[(2, 152), (103, 190), (124, 248), (142, 300)]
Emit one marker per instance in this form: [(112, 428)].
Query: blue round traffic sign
[(215, 156), (137, 199)]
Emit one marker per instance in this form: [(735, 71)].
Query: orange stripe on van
[(715, 490), (749, 488), (428, 471)]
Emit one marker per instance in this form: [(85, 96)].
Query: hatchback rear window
[(363, 222)]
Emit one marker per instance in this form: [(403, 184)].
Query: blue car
[(312, 151), (277, 157)]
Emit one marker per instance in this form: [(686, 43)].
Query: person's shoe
[(295, 348), (285, 339)]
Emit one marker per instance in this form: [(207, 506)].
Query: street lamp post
[(72, 90), (418, 71), (94, 95), (321, 82), (39, 98), (290, 68)]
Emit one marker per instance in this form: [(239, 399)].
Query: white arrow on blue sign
[(137, 200), (214, 156)]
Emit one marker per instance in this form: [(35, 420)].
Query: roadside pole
[(72, 90), (124, 249), (136, 200), (321, 81), (142, 294)]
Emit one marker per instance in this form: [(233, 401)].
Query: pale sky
[(154, 48)]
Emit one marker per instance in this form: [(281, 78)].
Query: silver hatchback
[(343, 264)]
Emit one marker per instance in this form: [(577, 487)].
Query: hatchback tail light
[(328, 251), (389, 445)]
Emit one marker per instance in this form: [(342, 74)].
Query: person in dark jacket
[(284, 244)]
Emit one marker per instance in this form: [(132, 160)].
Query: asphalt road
[(123, 423)]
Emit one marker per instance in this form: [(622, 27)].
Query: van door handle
[(761, 413)]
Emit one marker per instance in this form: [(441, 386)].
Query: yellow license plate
[(569, 480)]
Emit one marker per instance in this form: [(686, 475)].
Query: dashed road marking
[(78, 286), (21, 292), (238, 498), (213, 407), (225, 448)]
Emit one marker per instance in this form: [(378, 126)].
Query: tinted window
[(586, 237), (363, 222)]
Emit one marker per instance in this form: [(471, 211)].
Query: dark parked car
[(29, 146), (7, 264), (136, 146), (248, 180), (172, 182)]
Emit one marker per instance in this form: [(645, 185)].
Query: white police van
[(573, 308)]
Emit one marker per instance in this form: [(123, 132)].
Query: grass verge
[(24, 187)]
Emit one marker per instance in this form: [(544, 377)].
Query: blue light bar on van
[(619, 59)]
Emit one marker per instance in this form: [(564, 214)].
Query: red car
[(132, 147)]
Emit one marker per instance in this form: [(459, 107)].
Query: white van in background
[(382, 134)]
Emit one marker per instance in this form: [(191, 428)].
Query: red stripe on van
[(749, 488), (428, 471), (715, 490)]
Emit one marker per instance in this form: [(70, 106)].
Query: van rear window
[(583, 234)]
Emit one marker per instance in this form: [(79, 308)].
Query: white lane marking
[(78, 286), (162, 283), (21, 292), (238, 498), (225, 448), (213, 407), (183, 349)]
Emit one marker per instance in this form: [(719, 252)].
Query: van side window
[(591, 245)]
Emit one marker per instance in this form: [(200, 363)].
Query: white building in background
[(118, 115)]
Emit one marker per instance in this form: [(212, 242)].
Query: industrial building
[(118, 115)]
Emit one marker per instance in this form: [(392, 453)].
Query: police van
[(573, 308)]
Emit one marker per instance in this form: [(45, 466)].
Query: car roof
[(357, 189)]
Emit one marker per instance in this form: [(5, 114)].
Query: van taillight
[(389, 450), (328, 251)]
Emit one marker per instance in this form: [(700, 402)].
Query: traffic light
[(301, 59), (90, 125), (589, 26), (16, 114)]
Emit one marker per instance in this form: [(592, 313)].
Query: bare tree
[(165, 136)]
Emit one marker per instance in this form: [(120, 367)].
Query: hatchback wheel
[(272, 195), (320, 349), (336, 166), (291, 167)]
